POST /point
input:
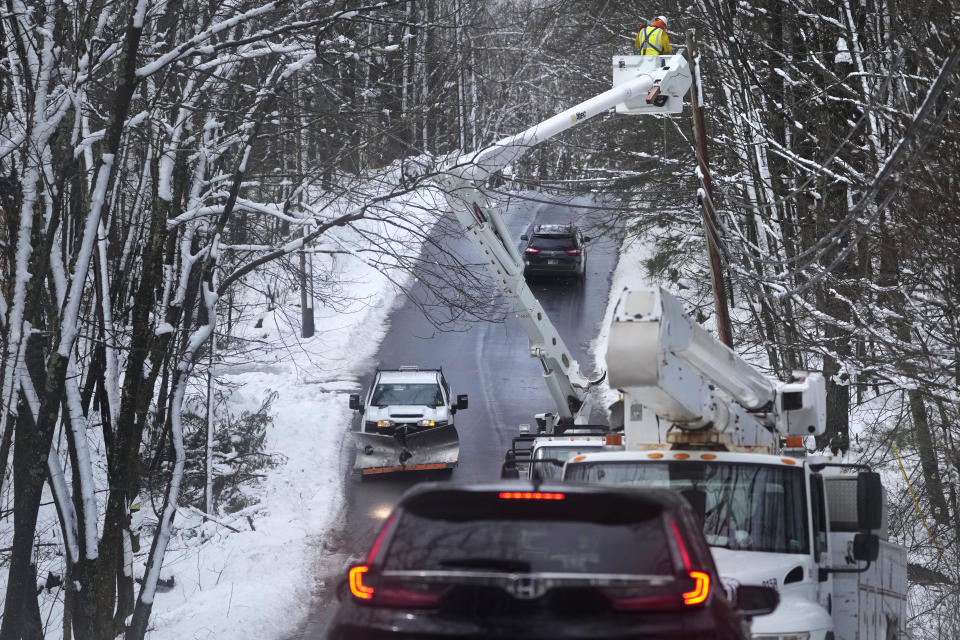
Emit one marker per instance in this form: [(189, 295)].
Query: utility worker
[(652, 40)]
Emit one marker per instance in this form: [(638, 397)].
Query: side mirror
[(869, 501), (524, 237), (753, 601), (355, 402), (462, 401), (509, 471), (866, 547), (586, 239)]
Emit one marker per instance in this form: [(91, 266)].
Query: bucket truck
[(652, 84), (700, 420)]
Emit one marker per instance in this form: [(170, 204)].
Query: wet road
[(488, 361)]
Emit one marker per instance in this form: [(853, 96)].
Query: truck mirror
[(462, 401), (355, 402), (866, 547), (753, 600), (869, 501), (509, 471)]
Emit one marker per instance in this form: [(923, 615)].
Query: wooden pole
[(710, 225), (307, 327)]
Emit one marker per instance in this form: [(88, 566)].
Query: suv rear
[(513, 560), (557, 250)]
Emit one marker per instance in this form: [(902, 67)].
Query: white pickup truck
[(407, 422)]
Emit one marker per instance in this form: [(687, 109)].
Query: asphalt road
[(490, 362)]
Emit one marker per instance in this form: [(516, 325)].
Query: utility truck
[(699, 419), (542, 456)]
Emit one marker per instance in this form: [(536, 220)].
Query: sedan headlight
[(802, 635)]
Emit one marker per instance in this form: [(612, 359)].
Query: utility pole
[(705, 197), (306, 259), (306, 289)]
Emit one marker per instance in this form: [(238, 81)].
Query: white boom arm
[(670, 365), (462, 181)]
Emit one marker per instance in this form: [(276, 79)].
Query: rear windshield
[(428, 394), (580, 534), (553, 243)]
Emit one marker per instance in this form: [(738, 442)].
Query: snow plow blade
[(437, 448)]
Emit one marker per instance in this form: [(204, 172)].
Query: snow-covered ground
[(257, 583)]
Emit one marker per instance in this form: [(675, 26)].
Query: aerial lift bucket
[(436, 448)]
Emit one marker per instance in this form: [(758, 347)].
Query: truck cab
[(543, 456), (767, 519), (407, 422)]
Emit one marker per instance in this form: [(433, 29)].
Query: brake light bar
[(531, 251), (530, 495), (680, 545), (357, 588), (372, 556), (700, 591)]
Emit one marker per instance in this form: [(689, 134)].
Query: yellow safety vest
[(653, 41)]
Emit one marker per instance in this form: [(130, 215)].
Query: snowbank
[(257, 582)]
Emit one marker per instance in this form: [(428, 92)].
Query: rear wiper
[(496, 564)]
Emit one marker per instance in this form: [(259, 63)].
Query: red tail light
[(531, 251), (399, 596), (357, 588), (700, 591), (573, 252), (530, 495), (654, 599), (411, 596), (680, 545), (372, 556), (701, 588), (625, 600)]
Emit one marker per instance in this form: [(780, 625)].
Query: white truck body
[(759, 520)]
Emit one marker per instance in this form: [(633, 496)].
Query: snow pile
[(630, 273)]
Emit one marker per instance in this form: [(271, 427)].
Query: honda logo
[(527, 588)]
